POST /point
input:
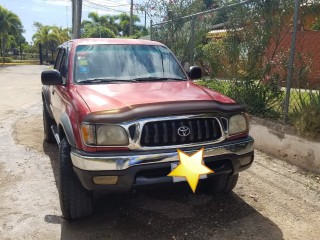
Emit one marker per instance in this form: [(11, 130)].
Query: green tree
[(30, 51), (124, 24), (10, 28), (98, 31), (50, 37), (162, 10), (42, 36), (107, 21), (107, 26), (60, 35)]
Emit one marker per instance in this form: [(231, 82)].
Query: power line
[(110, 9), (69, 1), (102, 5)]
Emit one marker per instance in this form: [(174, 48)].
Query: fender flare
[(68, 130)]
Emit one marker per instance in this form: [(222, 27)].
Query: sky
[(58, 12)]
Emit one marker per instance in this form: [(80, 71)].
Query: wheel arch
[(65, 130)]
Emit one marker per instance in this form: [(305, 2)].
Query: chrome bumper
[(121, 162)]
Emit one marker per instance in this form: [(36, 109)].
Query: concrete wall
[(283, 142)]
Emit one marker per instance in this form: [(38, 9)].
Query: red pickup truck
[(119, 109)]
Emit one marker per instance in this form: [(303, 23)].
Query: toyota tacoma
[(119, 109)]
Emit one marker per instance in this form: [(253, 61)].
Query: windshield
[(125, 62)]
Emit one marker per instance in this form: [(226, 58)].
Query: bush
[(306, 114), (222, 86), (260, 99), (6, 59), (213, 59), (315, 26)]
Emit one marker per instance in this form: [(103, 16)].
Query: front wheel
[(75, 201), (222, 183)]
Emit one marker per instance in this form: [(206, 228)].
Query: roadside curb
[(282, 141)]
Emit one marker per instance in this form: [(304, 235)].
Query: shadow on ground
[(166, 213)]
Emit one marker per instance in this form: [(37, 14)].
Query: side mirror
[(51, 77), (195, 73)]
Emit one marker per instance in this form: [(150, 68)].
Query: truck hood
[(101, 97)]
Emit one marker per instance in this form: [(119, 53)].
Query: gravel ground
[(273, 200)]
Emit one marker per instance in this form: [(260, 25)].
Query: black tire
[(222, 183), (75, 201), (47, 123)]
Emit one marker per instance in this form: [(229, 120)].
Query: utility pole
[(145, 19), (67, 16), (131, 18), (76, 18), (291, 59)]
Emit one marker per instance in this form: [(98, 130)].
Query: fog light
[(245, 160), (105, 180)]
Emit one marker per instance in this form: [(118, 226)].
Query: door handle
[(53, 91)]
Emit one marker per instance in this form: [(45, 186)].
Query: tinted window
[(123, 62), (63, 66), (58, 59)]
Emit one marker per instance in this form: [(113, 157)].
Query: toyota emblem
[(183, 131)]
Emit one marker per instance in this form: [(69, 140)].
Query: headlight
[(238, 124), (104, 135), (112, 135)]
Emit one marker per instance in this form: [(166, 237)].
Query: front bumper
[(124, 160), (140, 168)]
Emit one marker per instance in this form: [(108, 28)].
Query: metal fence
[(265, 54), (36, 54), (15, 55)]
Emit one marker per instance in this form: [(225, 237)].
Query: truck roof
[(89, 41)]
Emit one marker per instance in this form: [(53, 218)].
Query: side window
[(63, 66), (58, 59), (62, 63)]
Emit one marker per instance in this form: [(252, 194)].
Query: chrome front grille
[(180, 132)]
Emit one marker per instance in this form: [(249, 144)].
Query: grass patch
[(263, 101), (259, 99), (222, 86), (23, 62), (305, 113)]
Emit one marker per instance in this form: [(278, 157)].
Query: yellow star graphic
[(191, 167)]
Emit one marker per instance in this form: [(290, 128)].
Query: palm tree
[(104, 20), (43, 37), (51, 37), (111, 26), (10, 24), (60, 35), (124, 23), (57, 36)]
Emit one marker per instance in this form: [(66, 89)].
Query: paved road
[(20, 87), (273, 200)]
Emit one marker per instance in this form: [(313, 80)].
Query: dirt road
[(273, 200)]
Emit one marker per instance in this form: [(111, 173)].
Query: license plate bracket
[(183, 179)]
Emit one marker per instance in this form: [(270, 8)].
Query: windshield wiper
[(104, 80), (147, 79)]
